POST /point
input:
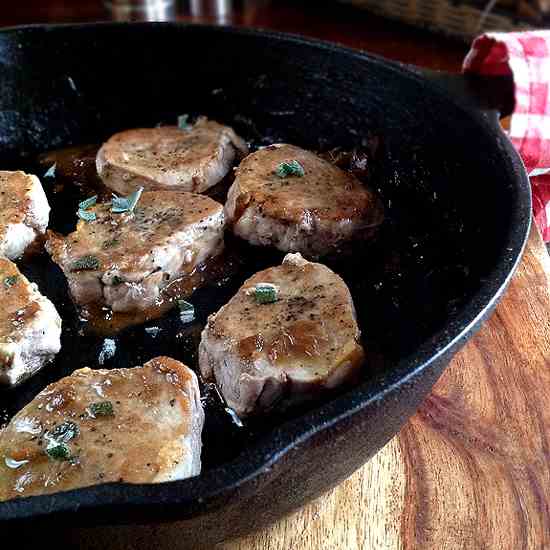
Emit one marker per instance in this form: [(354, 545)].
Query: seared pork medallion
[(290, 198), (146, 239), (30, 327), (289, 332), (189, 158), (24, 212), (138, 425), (123, 257)]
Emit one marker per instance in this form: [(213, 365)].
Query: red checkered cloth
[(525, 56)]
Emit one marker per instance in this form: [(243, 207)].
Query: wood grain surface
[(471, 470), (327, 20)]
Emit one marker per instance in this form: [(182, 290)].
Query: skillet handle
[(492, 95)]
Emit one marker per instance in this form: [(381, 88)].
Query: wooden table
[(472, 469)]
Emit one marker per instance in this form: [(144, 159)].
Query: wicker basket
[(456, 19)]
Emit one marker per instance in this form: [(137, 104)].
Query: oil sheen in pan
[(400, 291)]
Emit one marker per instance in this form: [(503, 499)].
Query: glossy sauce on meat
[(138, 425), (103, 321), (403, 283)]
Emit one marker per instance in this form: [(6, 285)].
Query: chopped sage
[(50, 173), (119, 204), (101, 408), (86, 263), (125, 204), (64, 432), (183, 122), (10, 281), (86, 216), (87, 203), (290, 168), (266, 293), (116, 280), (110, 243), (83, 206), (187, 311), (59, 451)]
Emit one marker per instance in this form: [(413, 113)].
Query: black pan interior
[(449, 198)]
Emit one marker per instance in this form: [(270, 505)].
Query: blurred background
[(459, 19), (348, 23)]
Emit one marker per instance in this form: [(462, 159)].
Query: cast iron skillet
[(448, 176)]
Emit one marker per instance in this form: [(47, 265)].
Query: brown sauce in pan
[(403, 284), (105, 322), (76, 179)]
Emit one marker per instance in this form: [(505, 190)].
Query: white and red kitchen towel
[(525, 56)]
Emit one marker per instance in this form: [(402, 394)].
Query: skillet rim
[(196, 492)]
